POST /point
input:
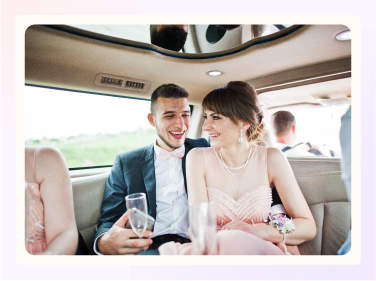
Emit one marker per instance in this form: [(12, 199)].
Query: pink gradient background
[(11, 9)]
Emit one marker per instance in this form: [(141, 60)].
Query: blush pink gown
[(252, 206), (35, 236)]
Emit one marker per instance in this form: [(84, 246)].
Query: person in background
[(50, 222), (170, 37), (284, 128), (345, 139)]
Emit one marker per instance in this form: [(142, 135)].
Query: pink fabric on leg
[(172, 248), (237, 242), (229, 242)]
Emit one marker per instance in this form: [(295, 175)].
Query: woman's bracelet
[(284, 224)]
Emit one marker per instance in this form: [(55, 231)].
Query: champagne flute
[(138, 221), (203, 225)]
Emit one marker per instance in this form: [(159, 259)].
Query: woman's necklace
[(246, 162)]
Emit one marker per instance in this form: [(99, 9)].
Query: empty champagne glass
[(203, 225), (138, 219)]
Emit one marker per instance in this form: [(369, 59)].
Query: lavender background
[(10, 270)]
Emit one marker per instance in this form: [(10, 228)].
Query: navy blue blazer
[(133, 172)]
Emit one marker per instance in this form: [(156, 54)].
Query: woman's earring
[(241, 136)]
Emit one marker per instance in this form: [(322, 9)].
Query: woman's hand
[(259, 230)]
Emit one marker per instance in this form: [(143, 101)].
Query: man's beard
[(165, 141)]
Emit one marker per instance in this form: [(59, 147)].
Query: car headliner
[(65, 57)]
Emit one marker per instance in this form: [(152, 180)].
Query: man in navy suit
[(158, 171)]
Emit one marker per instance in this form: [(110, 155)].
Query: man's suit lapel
[(187, 149), (148, 172)]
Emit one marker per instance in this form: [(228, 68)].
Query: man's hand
[(117, 241)]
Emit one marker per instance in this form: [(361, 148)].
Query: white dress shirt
[(171, 198)]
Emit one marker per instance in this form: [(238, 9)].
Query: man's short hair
[(282, 122), (167, 91), (169, 37)]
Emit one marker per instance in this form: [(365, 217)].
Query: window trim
[(89, 167), (83, 92)]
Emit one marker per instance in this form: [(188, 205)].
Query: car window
[(320, 125), (89, 129)]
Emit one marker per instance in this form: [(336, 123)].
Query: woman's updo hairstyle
[(238, 101)]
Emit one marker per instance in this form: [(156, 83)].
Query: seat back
[(87, 198), (319, 179), (322, 186)]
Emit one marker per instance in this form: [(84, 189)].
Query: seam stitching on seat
[(328, 202), (86, 181), (323, 174), (322, 231)]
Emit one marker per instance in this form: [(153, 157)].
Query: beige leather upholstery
[(318, 178), (87, 199), (322, 186)]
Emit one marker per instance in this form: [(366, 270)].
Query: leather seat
[(318, 178), (87, 198), (322, 186)]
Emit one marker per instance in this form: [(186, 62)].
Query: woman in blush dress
[(238, 176), (50, 223)]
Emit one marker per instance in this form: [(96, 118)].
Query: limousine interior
[(292, 67)]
